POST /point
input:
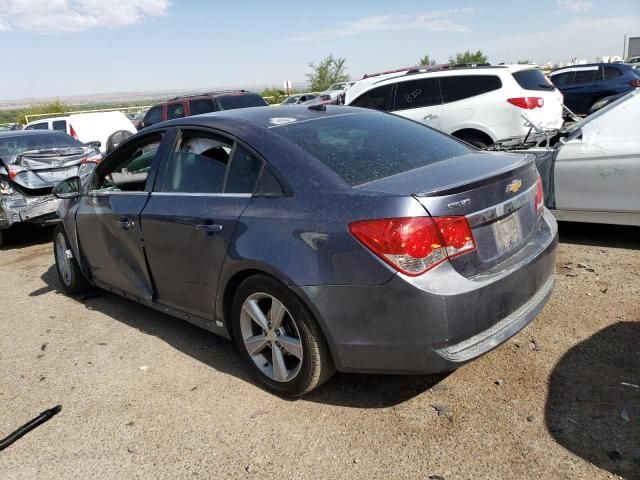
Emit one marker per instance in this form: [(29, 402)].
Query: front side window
[(378, 98), (38, 126), (417, 93), (563, 78), (154, 115), (129, 170), (198, 165), (175, 110), (466, 86)]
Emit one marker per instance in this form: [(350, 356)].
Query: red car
[(187, 106)]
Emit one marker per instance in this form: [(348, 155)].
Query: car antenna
[(320, 107)]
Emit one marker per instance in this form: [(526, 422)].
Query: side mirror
[(69, 188), (94, 144)]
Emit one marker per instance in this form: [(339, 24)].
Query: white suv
[(479, 105)]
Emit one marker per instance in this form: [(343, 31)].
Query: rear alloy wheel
[(279, 338), (69, 274)]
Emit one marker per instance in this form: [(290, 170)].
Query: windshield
[(13, 145), (337, 86), (578, 125), (292, 99), (532, 79), (363, 147)]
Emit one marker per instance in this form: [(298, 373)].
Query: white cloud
[(574, 6), (436, 21), (50, 16)]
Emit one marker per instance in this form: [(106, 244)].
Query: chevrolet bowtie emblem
[(514, 186)]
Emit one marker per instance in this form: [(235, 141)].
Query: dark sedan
[(317, 239)]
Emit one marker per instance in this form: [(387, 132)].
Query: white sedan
[(593, 173)]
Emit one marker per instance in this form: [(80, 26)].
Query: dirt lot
[(147, 396)]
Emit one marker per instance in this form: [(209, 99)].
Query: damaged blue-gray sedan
[(316, 238)]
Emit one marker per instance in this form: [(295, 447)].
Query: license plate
[(508, 232)]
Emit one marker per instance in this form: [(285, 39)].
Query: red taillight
[(72, 132), (414, 245), (96, 158), (12, 174), (635, 83), (539, 194), (528, 103)]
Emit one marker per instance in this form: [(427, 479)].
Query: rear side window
[(241, 100), (417, 93), (60, 125), (243, 172), (198, 107), (175, 110), (378, 98), (532, 79), (467, 86), (563, 78), (611, 72), (368, 146), (154, 115)]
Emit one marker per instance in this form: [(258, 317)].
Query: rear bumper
[(439, 321), (38, 210)]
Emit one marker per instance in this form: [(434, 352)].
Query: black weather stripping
[(27, 427)]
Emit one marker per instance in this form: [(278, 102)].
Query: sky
[(75, 47)]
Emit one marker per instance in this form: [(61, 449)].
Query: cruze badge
[(461, 203), (514, 186)]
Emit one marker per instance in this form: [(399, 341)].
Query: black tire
[(1, 237), (75, 283), (316, 365), (476, 140)]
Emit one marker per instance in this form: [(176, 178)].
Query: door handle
[(126, 223), (210, 229), (431, 116)]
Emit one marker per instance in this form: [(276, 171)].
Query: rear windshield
[(364, 147), (15, 145), (242, 100), (532, 80)]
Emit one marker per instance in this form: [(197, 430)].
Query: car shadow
[(349, 390), (616, 236), (25, 235), (593, 405)]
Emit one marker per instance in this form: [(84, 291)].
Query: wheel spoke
[(291, 345), (255, 344), (277, 313), (280, 372), (252, 309)]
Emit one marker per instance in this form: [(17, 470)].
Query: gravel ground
[(148, 396)]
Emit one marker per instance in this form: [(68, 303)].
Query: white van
[(86, 127)]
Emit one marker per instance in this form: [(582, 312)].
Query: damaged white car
[(31, 164), (591, 171)]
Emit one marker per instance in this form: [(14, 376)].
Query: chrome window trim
[(185, 194), (501, 209)]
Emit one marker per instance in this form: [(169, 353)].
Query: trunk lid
[(495, 191), (39, 169)]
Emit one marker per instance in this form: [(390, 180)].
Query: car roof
[(601, 64), (214, 94), (268, 117), (18, 133)]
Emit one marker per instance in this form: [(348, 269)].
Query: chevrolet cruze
[(317, 239)]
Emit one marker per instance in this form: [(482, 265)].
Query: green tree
[(426, 60), (330, 70), (468, 57), (55, 107), (274, 95), (524, 62)]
